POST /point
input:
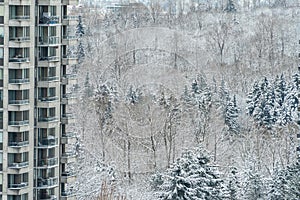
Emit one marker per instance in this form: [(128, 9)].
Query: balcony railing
[(68, 174), (69, 135), (18, 144), (49, 20), (67, 193), (68, 154), (68, 96), (20, 39), (48, 99), (49, 40), (18, 60), (19, 80), (49, 58), (20, 17), (70, 56), (70, 17), (18, 123), (48, 119), (47, 182), (18, 165), (48, 142), (69, 37), (70, 76), (49, 78), (47, 162), (19, 102), (18, 185), (68, 115), (48, 197)]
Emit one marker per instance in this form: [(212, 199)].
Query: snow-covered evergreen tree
[(278, 187), (233, 185), (230, 7), (231, 117), (191, 177), (133, 95), (255, 187), (253, 98), (293, 181), (88, 89)]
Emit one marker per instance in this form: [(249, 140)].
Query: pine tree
[(79, 33), (233, 185), (133, 96), (191, 177), (293, 181), (231, 116), (230, 7), (255, 188), (278, 188), (223, 97), (80, 28), (88, 90), (262, 104), (253, 98)]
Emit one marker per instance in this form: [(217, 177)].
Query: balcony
[(48, 197), (47, 41), (67, 195), (69, 40), (18, 123), (68, 157), (68, 177), (18, 144), (18, 165), (49, 142), (49, 58), (48, 119), (69, 79), (19, 80), (67, 118), (18, 102), (68, 138), (47, 163), (48, 99), (19, 59), (70, 2), (44, 183), (19, 42), (49, 78), (69, 20), (19, 2), (68, 99), (17, 186), (70, 60), (19, 39), (49, 20)]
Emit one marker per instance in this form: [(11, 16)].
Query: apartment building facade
[(37, 55)]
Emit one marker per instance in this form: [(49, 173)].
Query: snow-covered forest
[(187, 101)]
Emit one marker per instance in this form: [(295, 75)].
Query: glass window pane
[(1, 10), (1, 52)]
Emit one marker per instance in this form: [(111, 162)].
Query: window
[(1, 56), (1, 77), (1, 99), (1, 14), (1, 35), (1, 120)]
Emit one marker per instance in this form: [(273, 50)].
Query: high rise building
[(37, 54)]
